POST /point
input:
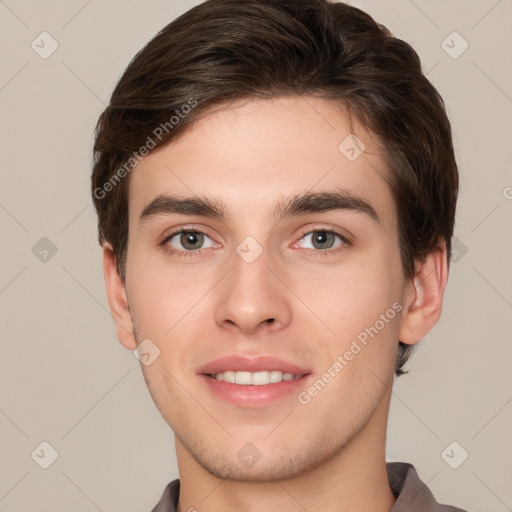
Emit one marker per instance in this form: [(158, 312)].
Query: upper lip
[(251, 364)]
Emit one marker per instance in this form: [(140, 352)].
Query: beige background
[(64, 377)]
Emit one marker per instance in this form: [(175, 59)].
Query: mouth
[(253, 381)]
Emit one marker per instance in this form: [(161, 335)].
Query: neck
[(354, 479)]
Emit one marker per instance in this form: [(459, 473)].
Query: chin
[(248, 464)]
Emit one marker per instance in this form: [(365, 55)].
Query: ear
[(423, 298), (116, 293)]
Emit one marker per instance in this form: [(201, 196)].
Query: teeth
[(255, 378), (243, 378)]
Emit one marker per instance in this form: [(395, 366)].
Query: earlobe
[(424, 298), (116, 293)]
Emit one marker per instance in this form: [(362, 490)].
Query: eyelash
[(318, 252)]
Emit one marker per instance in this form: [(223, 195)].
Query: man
[(276, 189)]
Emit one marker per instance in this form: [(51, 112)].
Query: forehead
[(255, 152)]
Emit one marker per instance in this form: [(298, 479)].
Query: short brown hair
[(226, 50)]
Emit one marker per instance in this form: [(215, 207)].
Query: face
[(275, 258)]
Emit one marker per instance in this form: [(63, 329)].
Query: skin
[(328, 454)]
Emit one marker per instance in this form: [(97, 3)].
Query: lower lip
[(254, 396)]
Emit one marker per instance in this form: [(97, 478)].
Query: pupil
[(322, 237), (191, 239)]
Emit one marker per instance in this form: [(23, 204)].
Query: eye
[(322, 239), (193, 240), (188, 240)]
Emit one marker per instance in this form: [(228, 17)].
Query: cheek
[(360, 305), (163, 296), (353, 297)]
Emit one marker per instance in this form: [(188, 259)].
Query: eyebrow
[(300, 204)]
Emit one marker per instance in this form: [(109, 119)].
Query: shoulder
[(411, 492), (169, 500)]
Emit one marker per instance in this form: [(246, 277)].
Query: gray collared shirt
[(412, 494)]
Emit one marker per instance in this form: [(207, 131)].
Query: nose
[(251, 298)]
